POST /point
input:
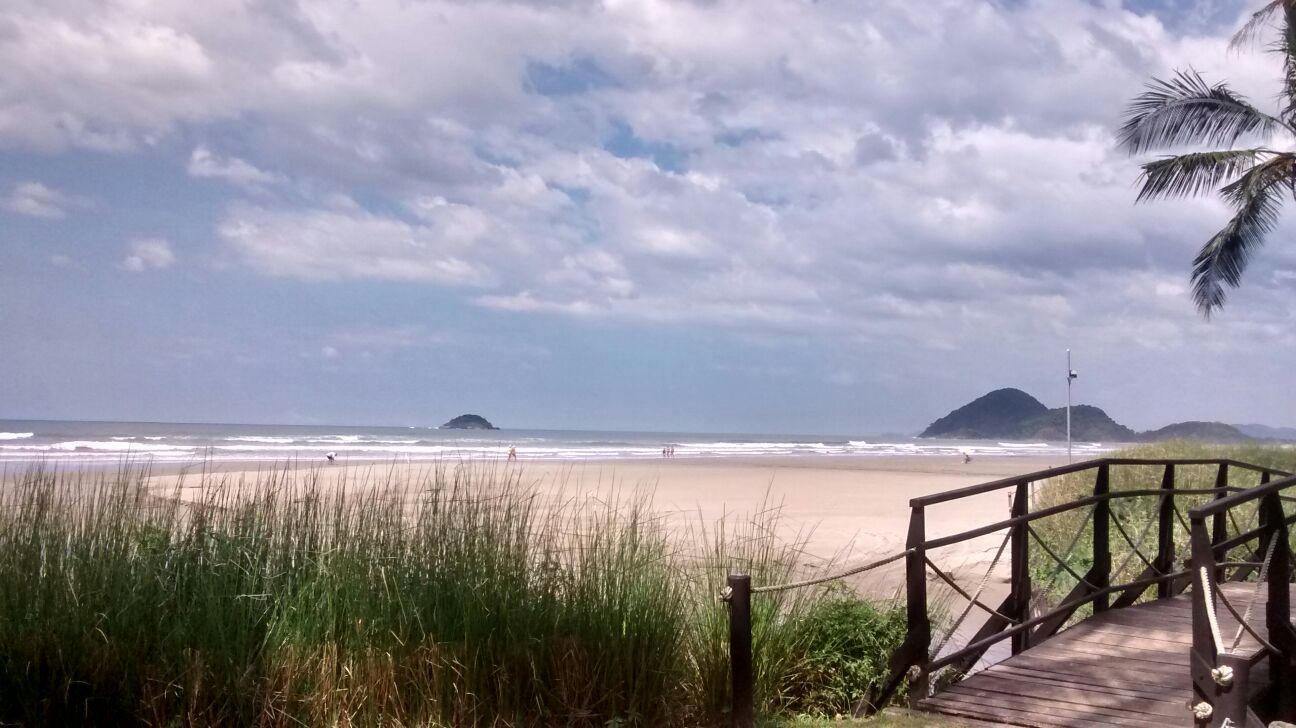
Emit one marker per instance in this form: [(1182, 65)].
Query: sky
[(688, 215)]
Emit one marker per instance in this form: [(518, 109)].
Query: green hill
[(1013, 414)]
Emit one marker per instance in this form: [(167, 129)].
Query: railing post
[(1282, 666), (1021, 581), (918, 622), (910, 661), (1102, 536), (1219, 521), (740, 650), (1165, 533), (1203, 655)]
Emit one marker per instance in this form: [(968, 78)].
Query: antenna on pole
[(1071, 375)]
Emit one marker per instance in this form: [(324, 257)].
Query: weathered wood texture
[(1122, 667)]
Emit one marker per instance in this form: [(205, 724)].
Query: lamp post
[(1071, 375)]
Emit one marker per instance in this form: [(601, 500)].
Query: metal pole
[(1069, 378), (740, 650)]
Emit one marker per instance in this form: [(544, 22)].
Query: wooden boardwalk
[(1123, 667)]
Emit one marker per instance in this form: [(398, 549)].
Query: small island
[(468, 422)]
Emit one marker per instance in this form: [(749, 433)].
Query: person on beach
[(332, 456), (512, 453)]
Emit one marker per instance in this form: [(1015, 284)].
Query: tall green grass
[(1139, 515), (459, 596)]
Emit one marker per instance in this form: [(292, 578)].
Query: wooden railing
[(1224, 691), (914, 663)]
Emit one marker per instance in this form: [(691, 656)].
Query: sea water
[(108, 442)]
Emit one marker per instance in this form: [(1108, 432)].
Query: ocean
[(24, 441)]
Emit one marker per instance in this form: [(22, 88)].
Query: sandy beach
[(847, 509)]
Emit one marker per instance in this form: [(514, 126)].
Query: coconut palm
[(1254, 181)]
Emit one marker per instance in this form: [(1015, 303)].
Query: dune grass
[(1138, 516), (460, 596)]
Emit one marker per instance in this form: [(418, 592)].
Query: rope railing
[(1243, 619), (972, 599), (831, 577)]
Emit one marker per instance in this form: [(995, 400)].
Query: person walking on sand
[(332, 456), (512, 453)]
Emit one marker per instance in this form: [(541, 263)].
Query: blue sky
[(834, 217)]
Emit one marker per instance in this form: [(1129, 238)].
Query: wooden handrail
[(957, 493), (913, 662), (1055, 510), (1230, 502), (971, 490)]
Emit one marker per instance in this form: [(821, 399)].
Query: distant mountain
[(1265, 432), (1014, 414), (1000, 413), (468, 422), (1204, 431), (1087, 423)]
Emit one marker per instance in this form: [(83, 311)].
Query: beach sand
[(847, 509)]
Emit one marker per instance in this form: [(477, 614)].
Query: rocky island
[(468, 422), (1013, 414)]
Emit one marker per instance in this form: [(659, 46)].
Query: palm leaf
[(1186, 110), (1259, 18), (1286, 46), (1193, 174), (1257, 199)]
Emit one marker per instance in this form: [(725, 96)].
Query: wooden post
[(1102, 537), (910, 661), (1220, 521), (1282, 667), (740, 650), (918, 622), (1165, 533), (1021, 581), (1202, 656)]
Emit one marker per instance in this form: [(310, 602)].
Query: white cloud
[(34, 199), (203, 163), (913, 177), (148, 254), (390, 338)]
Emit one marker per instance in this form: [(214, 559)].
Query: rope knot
[(1203, 711), (1222, 675)]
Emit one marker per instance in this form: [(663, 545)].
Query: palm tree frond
[(1286, 47), (1188, 175), (1224, 257), (1186, 109), (1259, 18)]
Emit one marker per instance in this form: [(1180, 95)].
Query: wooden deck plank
[(1009, 706), (1072, 699), (1101, 674), (1122, 667), (1071, 680)]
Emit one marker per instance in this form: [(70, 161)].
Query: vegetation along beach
[(682, 363)]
